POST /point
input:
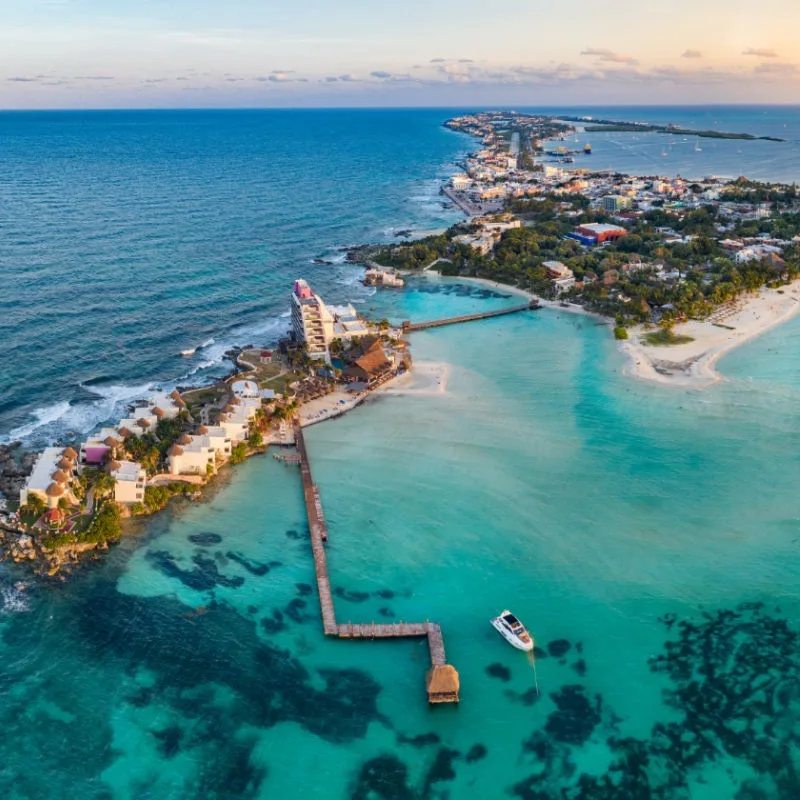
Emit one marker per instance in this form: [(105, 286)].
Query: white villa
[(51, 477), (131, 480)]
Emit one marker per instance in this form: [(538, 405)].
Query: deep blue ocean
[(646, 535), (126, 237)]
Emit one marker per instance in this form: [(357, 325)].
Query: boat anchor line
[(442, 681)]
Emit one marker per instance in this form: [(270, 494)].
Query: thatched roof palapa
[(123, 432), (442, 684), (70, 453), (66, 465), (59, 476), (55, 490), (158, 412), (175, 450), (202, 430), (143, 423), (113, 466), (185, 439), (111, 441), (176, 396)]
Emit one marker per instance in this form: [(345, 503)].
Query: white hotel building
[(316, 324)]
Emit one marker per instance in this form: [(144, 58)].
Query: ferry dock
[(438, 323), (442, 683)]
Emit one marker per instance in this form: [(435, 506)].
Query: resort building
[(216, 437), (98, 447), (371, 365), (312, 323), (51, 477), (380, 277), (130, 481), (192, 458), (316, 324)]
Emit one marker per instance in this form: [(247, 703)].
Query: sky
[(254, 53)]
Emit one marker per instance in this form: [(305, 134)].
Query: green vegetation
[(256, 439), (239, 453), (665, 336), (105, 527), (620, 332), (673, 280)]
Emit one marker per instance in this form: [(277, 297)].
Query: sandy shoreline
[(692, 365)]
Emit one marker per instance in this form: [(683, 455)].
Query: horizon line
[(434, 107)]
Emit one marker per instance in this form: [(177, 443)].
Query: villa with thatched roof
[(70, 454), (50, 478)]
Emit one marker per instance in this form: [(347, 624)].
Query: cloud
[(381, 74), (20, 79), (95, 78), (603, 54), (280, 77), (691, 54), (776, 69), (349, 78), (465, 61), (283, 72), (154, 80), (759, 52)]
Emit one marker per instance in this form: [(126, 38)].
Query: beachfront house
[(192, 458), (130, 481), (51, 477)]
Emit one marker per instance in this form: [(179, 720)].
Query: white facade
[(312, 323), (317, 324), (131, 480), (43, 482), (191, 459)]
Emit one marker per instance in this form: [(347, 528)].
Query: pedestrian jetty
[(438, 323), (442, 681)]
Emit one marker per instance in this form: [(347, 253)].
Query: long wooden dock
[(442, 679), (438, 323)]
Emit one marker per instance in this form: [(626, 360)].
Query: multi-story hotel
[(317, 324)]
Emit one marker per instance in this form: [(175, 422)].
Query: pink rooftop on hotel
[(302, 290)]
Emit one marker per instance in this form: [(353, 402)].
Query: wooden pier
[(438, 323), (442, 682)]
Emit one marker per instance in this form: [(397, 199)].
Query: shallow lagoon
[(604, 512)]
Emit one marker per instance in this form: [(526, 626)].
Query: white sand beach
[(692, 365), (426, 378)]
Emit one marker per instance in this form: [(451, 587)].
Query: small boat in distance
[(190, 352), (513, 631)]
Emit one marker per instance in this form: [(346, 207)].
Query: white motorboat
[(513, 631), (190, 352)]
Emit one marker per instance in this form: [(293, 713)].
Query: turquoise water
[(541, 480), (625, 523), (659, 154)]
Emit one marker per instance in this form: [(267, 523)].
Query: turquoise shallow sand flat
[(617, 519)]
